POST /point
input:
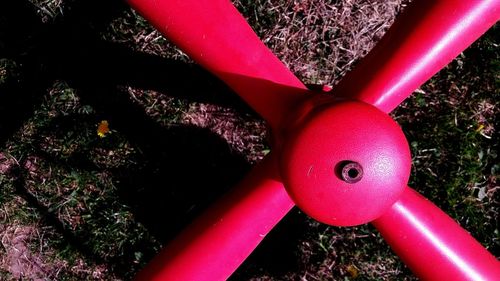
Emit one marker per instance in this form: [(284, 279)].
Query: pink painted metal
[(426, 37), (432, 244), (220, 240), (330, 137), (215, 35), (212, 32)]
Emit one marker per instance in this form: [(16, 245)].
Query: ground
[(76, 205)]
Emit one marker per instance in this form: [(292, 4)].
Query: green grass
[(104, 206)]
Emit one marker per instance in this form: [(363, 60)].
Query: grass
[(92, 208)]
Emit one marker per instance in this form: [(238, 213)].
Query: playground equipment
[(338, 156)]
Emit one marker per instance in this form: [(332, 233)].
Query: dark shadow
[(182, 171), (277, 254), (71, 49), (183, 168), (19, 96)]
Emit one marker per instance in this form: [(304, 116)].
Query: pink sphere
[(345, 163)]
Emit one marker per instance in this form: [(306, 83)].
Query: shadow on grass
[(184, 168)]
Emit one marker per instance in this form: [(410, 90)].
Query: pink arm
[(424, 39), (432, 244), (215, 35), (221, 239)]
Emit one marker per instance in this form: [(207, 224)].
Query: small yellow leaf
[(353, 271), (103, 128)]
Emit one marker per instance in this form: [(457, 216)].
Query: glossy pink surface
[(432, 244), (425, 38), (221, 239), (215, 35), (336, 133)]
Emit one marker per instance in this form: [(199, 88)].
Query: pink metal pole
[(432, 244), (215, 35), (216, 243), (424, 39)]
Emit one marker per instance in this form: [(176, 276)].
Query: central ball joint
[(345, 163)]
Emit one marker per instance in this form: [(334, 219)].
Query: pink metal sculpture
[(339, 156)]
